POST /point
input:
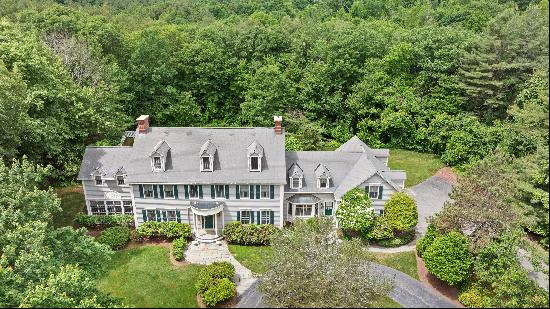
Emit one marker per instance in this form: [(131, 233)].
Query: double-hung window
[(264, 192), (157, 163), (171, 215), (120, 180), (265, 216), (246, 216), (97, 207), (98, 181), (193, 191), (295, 183), (219, 190), (169, 192), (373, 191), (114, 207), (328, 208), (148, 191), (206, 164), (128, 209), (255, 163), (151, 215), (303, 210), (244, 192), (323, 183)]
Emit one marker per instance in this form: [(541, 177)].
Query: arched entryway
[(208, 220)]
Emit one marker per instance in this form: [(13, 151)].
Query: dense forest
[(466, 80)]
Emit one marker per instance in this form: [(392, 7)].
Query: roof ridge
[(108, 146)]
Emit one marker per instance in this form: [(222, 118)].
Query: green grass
[(144, 277), (402, 261), (252, 257), (419, 166), (386, 302), (72, 202)]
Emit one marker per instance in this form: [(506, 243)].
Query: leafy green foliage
[(355, 212), (178, 248), (214, 283), (164, 230), (220, 291), (424, 243), (115, 237), (448, 258), (397, 240), (249, 234), (381, 229), (92, 221), (401, 212)]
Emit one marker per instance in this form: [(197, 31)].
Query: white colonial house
[(210, 176)]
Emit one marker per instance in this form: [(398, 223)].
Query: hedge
[(220, 291), (115, 237), (214, 283), (164, 230), (178, 248), (249, 234), (93, 221), (448, 258)]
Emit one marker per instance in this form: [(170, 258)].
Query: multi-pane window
[(303, 210), (98, 207), (265, 216), (128, 209), (219, 191), (206, 164), (246, 216), (295, 182), (120, 180), (323, 183), (157, 163), (328, 208), (151, 215), (254, 163), (193, 191), (114, 207), (244, 192), (148, 191), (169, 191), (373, 191), (264, 192), (171, 215), (98, 180)]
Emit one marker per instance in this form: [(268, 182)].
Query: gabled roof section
[(121, 171), (255, 149), (161, 148), (295, 171), (99, 170), (354, 144), (106, 159), (322, 171), (208, 149)]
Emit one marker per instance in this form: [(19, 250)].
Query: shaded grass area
[(402, 261), (419, 166), (72, 203), (252, 257), (386, 302), (144, 277)]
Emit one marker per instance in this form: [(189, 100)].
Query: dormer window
[(157, 163), (322, 183), (296, 174), (207, 154), (120, 180), (295, 182), (254, 163), (98, 180), (160, 156), (255, 152), (206, 164), (323, 176)]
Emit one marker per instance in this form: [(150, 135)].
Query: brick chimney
[(278, 120), (143, 124)]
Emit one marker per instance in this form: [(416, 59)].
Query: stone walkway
[(212, 252)]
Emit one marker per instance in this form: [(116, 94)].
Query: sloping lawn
[(403, 261), (419, 166), (72, 202), (144, 277), (252, 257)]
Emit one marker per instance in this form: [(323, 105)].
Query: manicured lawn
[(252, 257), (386, 302), (144, 277), (72, 202), (402, 261), (419, 166)]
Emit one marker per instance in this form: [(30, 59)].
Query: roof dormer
[(98, 175), (295, 175), (207, 154), (255, 153), (159, 156), (120, 176), (323, 176)]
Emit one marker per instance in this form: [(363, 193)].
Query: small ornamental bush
[(164, 230), (473, 296), (355, 212), (381, 230), (178, 248), (220, 291), (398, 240), (401, 212), (115, 237), (249, 234), (448, 258), (423, 243), (93, 221)]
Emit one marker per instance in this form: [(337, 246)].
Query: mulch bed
[(435, 283), (226, 304), (447, 174)]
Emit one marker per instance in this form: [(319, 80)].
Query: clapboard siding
[(386, 194), (95, 192)]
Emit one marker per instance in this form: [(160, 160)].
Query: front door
[(208, 222)]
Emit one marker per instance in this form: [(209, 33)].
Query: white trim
[(250, 169), (216, 193), (210, 162), (164, 192), (268, 192), (281, 206), (240, 192), (152, 190), (292, 182)]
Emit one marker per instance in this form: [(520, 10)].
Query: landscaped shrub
[(178, 248), (381, 230), (249, 234), (473, 296), (115, 237), (397, 240), (220, 291), (401, 212), (164, 230), (93, 221), (423, 243), (448, 258), (355, 212)]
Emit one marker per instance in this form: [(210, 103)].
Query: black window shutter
[(159, 218), (156, 194), (271, 191), (258, 213), (257, 192), (144, 213), (176, 191), (212, 194), (200, 191), (178, 216), (141, 191), (272, 217), (251, 193), (226, 189), (186, 191), (237, 192), (238, 216), (161, 191), (380, 192)]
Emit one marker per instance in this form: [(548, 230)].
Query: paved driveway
[(430, 196)]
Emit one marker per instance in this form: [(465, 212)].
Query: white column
[(223, 219), (216, 224)]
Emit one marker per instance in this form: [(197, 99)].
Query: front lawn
[(144, 277), (403, 261), (72, 203), (252, 257), (419, 166)]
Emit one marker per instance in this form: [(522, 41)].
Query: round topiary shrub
[(401, 212), (355, 212), (423, 243), (220, 291), (448, 258), (115, 237)]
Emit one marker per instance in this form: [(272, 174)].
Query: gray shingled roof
[(208, 149), (230, 156), (255, 149), (322, 171), (161, 148), (354, 144), (295, 171), (303, 198)]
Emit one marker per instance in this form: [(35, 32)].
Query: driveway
[(407, 291)]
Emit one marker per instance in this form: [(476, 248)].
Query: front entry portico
[(208, 220)]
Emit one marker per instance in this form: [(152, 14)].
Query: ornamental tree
[(448, 258), (355, 212), (400, 212)]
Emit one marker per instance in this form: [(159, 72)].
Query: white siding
[(388, 191), (95, 192)]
